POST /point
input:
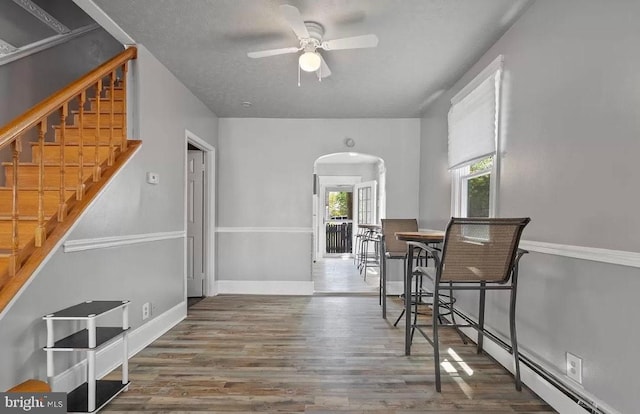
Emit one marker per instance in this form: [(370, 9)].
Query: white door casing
[(196, 255), (364, 205), (209, 223)]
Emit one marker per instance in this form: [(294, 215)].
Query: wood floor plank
[(319, 354)]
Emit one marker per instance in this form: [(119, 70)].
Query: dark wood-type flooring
[(319, 354)]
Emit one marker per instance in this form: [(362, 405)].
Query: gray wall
[(368, 171), (571, 143), (27, 81), (265, 180), (149, 272)]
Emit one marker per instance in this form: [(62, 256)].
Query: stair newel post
[(96, 158), (62, 209), (80, 187), (112, 92), (124, 108), (41, 232), (14, 262)]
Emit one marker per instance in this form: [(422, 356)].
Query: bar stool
[(478, 254), (393, 249), (371, 239)]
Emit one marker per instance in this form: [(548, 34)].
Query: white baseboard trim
[(545, 390), (110, 357), (264, 287), (264, 230), (115, 241)]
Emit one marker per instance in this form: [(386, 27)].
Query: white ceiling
[(424, 46)]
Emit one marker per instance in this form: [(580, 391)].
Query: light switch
[(153, 178)]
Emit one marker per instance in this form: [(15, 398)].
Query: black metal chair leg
[(453, 317), (436, 343), (418, 298), (399, 317), (512, 326), (483, 294)]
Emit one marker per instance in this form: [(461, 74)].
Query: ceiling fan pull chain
[(320, 74), (298, 75)]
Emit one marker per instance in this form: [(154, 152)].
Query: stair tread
[(115, 98), (68, 188), (25, 220), (88, 128), (27, 217), (10, 189), (47, 164), (91, 112), (73, 144)]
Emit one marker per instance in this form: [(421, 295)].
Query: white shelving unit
[(93, 394)]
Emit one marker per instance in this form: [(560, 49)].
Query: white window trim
[(458, 175), (459, 178)]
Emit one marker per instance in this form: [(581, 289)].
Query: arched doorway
[(349, 189)]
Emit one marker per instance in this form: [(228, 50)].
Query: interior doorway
[(348, 190), (339, 224), (199, 195)]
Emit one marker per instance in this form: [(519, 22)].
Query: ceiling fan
[(310, 35)]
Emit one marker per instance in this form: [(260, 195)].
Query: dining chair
[(477, 254), (394, 249)]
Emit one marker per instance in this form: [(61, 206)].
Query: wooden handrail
[(32, 117)]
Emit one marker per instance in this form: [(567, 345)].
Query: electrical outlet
[(574, 367), (146, 311)]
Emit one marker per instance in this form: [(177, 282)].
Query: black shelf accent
[(87, 309), (106, 390), (80, 339)]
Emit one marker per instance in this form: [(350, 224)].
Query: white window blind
[(473, 118)]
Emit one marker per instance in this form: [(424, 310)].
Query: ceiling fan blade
[(324, 71), (272, 52), (355, 42), (293, 17)]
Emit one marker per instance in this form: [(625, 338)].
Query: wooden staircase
[(41, 197)]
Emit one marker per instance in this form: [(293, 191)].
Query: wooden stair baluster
[(41, 232), (96, 166), (14, 260), (62, 210), (80, 187), (43, 198), (123, 145), (111, 111)]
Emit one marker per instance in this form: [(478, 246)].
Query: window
[(472, 191), (365, 215), (340, 205), (473, 144)]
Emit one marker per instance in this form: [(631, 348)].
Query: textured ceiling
[(425, 46)]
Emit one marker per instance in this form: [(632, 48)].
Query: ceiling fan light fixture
[(309, 61)]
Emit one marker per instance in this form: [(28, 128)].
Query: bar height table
[(423, 237)]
